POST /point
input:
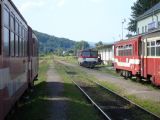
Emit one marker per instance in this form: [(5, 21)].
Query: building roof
[(155, 9), (105, 46)]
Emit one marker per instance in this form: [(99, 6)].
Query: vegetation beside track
[(79, 108), (33, 105), (108, 69), (69, 59), (149, 105)]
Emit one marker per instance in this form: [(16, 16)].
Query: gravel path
[(128, 87), (55, 87)]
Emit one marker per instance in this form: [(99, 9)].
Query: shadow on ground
[(38, 104)]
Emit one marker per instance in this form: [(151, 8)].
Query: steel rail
[(90, 99), (127, 100)]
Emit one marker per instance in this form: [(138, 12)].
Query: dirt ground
[(128, 87), (55, 86)]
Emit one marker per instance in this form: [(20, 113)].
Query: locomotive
[(18, 56), (88, 58), (139, 56)]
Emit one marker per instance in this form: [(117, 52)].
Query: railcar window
[(23, 36), (12, 44), (26, 37), (126, 50), (6, 18), (130, 50), (12, 41), (20, 46), (16, 45), (22, 41), (16, 38), (16, 27), (6, 41), (12, 22), (158, 48), (153, 52), (6, 31), (148, 49), (19, 40)]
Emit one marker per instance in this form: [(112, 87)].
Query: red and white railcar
[(18, 62), (88, 58), (127, 56), (139, 56), (150, 57)]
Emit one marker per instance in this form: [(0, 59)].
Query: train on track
[(18, 56), (88, 58), (139, 56)]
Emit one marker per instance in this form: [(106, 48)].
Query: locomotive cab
[(88, 58)]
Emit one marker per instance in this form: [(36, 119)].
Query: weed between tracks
[(79, 108)]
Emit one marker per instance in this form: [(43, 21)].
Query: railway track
[(111, 105)]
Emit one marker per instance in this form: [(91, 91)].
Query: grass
[(149, 105), (33, 105), (78, 109), (69, 59)]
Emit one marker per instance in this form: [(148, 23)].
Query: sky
[(89, 20)]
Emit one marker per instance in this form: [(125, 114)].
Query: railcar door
[(143, 58)]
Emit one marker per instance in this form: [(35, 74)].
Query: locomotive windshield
[(90, 53), (94, 53), (85, 53)]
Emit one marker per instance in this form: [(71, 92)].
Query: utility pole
[(123, 21)]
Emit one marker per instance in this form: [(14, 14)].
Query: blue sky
[(90, 20)]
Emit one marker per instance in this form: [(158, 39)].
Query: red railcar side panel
[(127, 55)]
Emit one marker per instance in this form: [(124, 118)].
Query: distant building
[(107, 53), (149, 21)]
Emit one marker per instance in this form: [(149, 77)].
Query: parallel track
[(112, 113)]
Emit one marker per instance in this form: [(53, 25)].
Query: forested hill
[(48, 43)]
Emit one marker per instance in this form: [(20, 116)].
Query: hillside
[(49, 43)]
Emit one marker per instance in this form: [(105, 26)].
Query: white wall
[(146, 21), (107, 54)]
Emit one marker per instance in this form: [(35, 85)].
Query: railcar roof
[(128, 40), (16, 9), (105, 46), (87, 50)]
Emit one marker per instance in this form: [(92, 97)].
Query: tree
[(80, 46), (100, 43), (129, 35), (138, 8)]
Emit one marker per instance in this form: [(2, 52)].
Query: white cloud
[(60, 3), (31, 4)]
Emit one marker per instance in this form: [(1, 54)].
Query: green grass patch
[(34, 107), (149, 105), (69, 59), (79, 108)]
